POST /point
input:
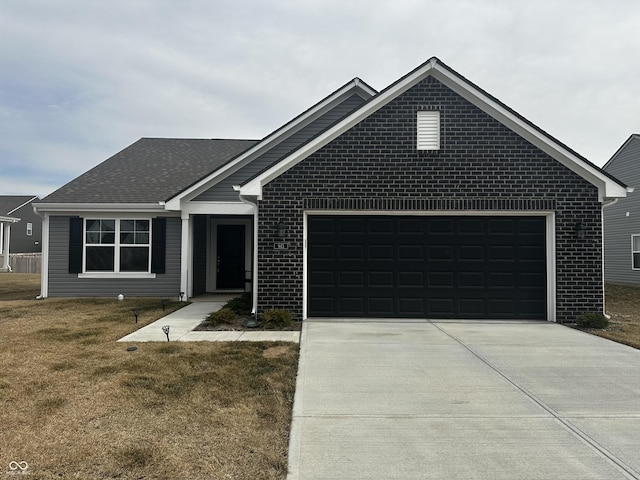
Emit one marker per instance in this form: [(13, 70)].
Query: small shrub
[(276, 319), (222, 316), (592, 320), (241, 305)]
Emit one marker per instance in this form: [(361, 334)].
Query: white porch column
[(6, 237), (186, 258)]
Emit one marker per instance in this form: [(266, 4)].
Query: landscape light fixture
[(136, 312), (281, 229), (164, 303), (165, 329), (181, 295), (251, 323)]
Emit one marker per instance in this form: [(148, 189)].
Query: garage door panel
[(411, 306), (471, 307), (352, 306), (439, 252), (381, 279), (433, 267), (379, 226), (347, 225), (322, 252), (439, 307), (384, 306), (471, 279), (381, 252), (322, 278), (471, 253), (411, 252), (323, 306), (501, 307), (440, 226), (351, 252), (351, 279), (411, 226), (411, 279)]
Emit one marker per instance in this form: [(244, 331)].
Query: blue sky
[(82, 79)]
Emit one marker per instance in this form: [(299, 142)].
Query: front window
[(117, 245), (635, 251)]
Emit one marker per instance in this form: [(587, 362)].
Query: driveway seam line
[(627, 470)]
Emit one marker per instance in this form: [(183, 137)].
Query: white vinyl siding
[(428, 130)]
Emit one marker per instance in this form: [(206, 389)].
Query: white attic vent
[(428, 130)]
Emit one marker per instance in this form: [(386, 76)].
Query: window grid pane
[(101, 232), (117, 245)]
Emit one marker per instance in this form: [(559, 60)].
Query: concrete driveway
[(464, 400)]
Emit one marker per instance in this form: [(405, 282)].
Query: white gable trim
[(354, 86), (607, 187)]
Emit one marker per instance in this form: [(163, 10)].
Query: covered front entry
[(450, 267), (222, 253)]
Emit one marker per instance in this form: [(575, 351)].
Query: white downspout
[(254, 279)]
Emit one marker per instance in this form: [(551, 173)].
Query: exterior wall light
[(580, 231), (281, 229)]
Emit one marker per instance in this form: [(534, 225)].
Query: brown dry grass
[(623, 304), (75, 404)]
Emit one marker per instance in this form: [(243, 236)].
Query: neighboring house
[(622, 218), (26, 237), (429, 199), (5, 240)]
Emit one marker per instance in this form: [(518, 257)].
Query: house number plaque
[(280, 246)]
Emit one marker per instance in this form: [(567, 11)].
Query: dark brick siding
[(480, 160)]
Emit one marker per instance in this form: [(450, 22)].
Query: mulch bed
[(238, 325)]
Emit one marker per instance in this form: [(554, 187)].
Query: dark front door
[(473, 267), (230, 260)]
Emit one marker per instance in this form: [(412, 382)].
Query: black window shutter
[(158, 244), (75, 244)]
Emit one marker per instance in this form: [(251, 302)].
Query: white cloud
[(82, 80)]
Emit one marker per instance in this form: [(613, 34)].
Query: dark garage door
[(427, 267)]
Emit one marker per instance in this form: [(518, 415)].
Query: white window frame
[(29, 229), (428, 130), (115, 273), (634, 252)]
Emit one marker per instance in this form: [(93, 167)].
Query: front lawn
[(622, 302), (76, 404)]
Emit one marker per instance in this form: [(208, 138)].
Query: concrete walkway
[(464, 400), (182, 322)]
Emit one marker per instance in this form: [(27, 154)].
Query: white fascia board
[(218, 208), (264, 145), (71, 208), (25, 203), (9, 219), (607, 187)]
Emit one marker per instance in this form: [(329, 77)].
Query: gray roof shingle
[(150, 170), (8, 203)]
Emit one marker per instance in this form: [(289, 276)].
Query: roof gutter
[(97, 207)]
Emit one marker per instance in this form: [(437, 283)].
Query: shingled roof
[(10, 203), (150, 170)]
